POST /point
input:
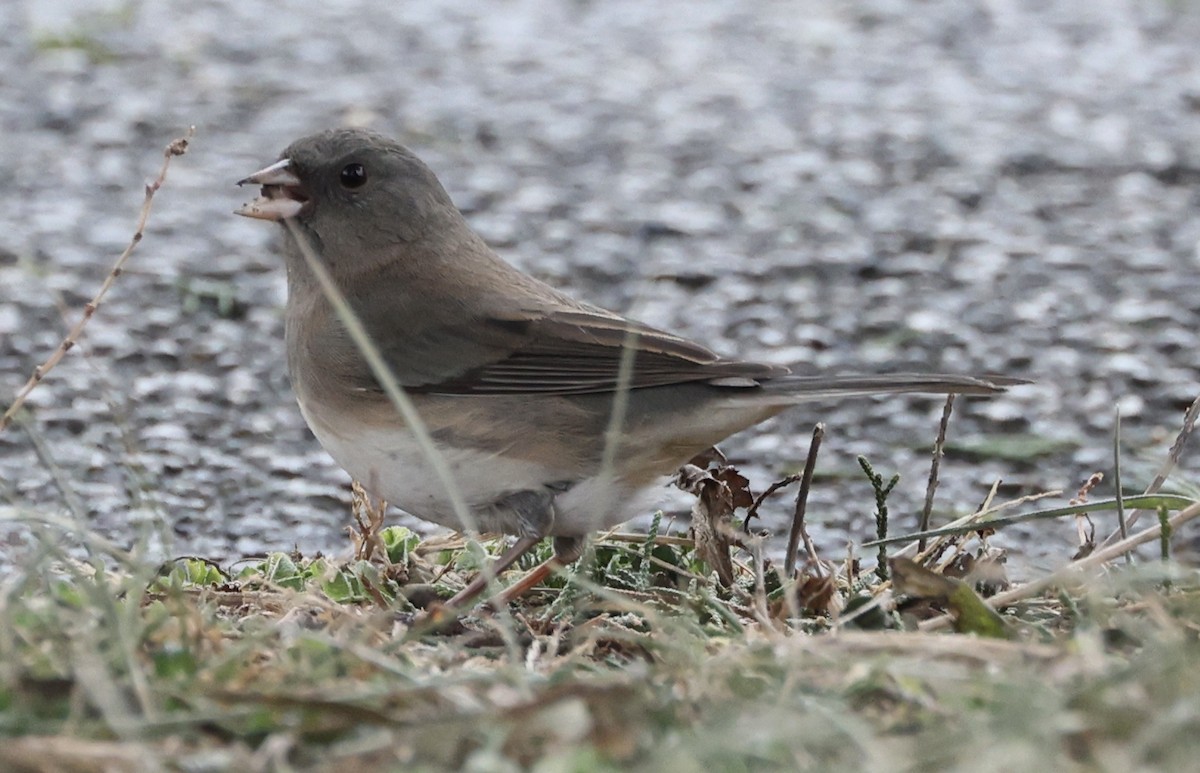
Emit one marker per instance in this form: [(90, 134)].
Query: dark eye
[(354, 176)]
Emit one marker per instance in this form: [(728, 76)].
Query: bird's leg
[(534, 511), (567, 551), (478, 585)]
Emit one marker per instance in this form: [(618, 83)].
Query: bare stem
[(938, 449), (177, 148), (799, 530)]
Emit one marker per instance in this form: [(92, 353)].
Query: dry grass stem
[(1168, 465), (1073, 571), (924, 644)]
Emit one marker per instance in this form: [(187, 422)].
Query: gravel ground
[(996, 186)]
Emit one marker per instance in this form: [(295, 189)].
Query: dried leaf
[(712, 514)]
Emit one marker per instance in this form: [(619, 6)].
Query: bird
[(552, 417)]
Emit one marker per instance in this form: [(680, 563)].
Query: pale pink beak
[(282, 196)]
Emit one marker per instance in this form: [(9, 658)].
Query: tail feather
[(817, 387)]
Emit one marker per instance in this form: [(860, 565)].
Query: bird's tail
[(818, 387)]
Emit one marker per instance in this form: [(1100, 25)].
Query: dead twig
[(939, 446), (799, 530), (177, 148), (753, 511)]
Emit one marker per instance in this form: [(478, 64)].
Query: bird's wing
[(563, 352)]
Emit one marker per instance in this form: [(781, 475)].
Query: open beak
[(281, 197)]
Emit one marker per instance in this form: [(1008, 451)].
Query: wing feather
[(578, 351)]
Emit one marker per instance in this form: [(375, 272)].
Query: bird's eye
[(354, 176)]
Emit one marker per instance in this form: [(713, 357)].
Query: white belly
[(391, 465)]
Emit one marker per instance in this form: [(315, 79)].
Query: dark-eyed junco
[(514, 381)]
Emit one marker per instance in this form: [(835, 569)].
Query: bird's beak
[(282, 195)]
